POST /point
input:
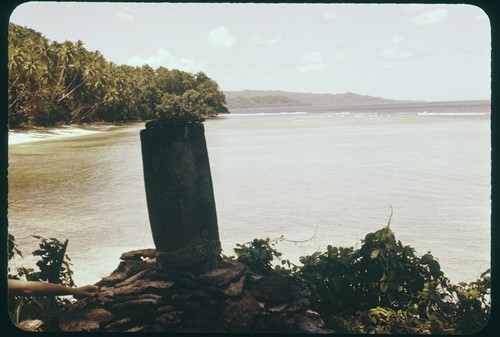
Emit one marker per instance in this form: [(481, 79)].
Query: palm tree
[(50, 82)]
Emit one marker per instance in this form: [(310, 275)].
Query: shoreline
[(36, 134)]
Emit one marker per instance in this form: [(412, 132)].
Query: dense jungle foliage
[(382, 287), (53, 83)]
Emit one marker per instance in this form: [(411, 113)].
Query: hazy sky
[(418, 52)]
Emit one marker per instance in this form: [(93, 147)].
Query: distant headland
[(295, 101)]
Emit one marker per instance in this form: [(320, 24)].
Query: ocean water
[(312, 179)]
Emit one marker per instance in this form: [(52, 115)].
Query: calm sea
[(312, 178)]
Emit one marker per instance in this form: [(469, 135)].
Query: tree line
[(52, 83)]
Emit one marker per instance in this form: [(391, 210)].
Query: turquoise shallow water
[(327, 178)]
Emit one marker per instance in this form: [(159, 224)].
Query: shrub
[(53, 266), (382, 287)]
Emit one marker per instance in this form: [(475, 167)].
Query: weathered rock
[(274, 323), (221, 277), (255, 277), (137, 305), (235, 289), (277, 308), (170, 318), (139, 254), (131, 279), (142, 286), (175, 276), (88, 320), (120, 325), (141, 328), (125, 270), (101, 299), (141, 296), (187, 304), (31, 325), (239, 315), (126, 298), (311, 322), (114, 278), (275, 288), (295, 306), (189, 294), (167, 308)]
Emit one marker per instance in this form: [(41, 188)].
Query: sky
[(434, 52)]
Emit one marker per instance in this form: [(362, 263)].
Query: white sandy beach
[(38, 134)]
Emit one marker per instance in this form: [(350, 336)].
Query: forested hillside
[(53, 83), (265, 99)]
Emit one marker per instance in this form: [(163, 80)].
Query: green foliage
[(54, 83), (54, 267), (12, 247), (473, 310), (382, 287), (258, 254), (54, 264)]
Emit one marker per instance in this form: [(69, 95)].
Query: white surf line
[(35, 135)]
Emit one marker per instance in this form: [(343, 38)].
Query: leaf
[(374, 254), (383, 287), (407, 250), (473, 293), (369, 237), (488, 271), (434, 268), (337, 285)]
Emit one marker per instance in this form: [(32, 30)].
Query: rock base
[(140, 296)]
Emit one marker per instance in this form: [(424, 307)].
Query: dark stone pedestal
[(140, 296), (180, 197)]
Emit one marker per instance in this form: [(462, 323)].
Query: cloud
[(394, 50), (338, 56), (165, 59), (312, 61), (191, 65), (430, 18), (473, 47), (396, 39), (162, 58), (221, 38), (266, 40), (330, 15), (125, 14)]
